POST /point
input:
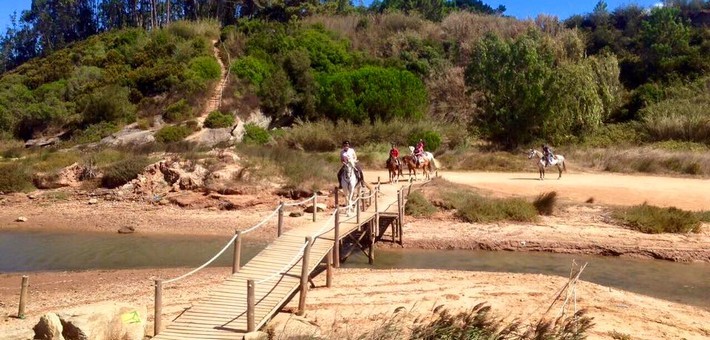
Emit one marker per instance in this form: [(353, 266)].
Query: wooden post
[(336, 231), (371, 255), (329, 269), (315, 205), (361, 201), (401, 218), (357, 211), (280, 225), (237, 259), (23, 296), (305, 273), (251, 301), (377, 211), (399, 210), (157, 318)]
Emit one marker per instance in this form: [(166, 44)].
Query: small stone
[(127, 230), (319, 207), (164, 202), (31, 196), (93, 201), (21, 219), (258, 335), (296, 214)]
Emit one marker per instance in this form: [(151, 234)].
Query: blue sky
[(521, 9)]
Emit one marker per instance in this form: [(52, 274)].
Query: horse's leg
[(559, 168)]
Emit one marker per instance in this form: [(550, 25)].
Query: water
[(42, 251), (687, 283)]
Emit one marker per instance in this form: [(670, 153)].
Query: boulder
[(93, 201), (21, 219), (130, 135), (105, 321), (211, 137), (127, 230), (319, 207), (70, 176), (49, 327), (41, 142), (296, 214)]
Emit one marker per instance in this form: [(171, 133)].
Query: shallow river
[(41, 251)]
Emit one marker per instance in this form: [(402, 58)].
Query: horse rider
[(547, 152), (419, 151), (394, 156), (347, 154)]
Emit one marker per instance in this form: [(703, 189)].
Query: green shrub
[(371, 93), (122, 172), (431, 139), (326, 53), (218, 119), (94, 132), (14, 177), (172, 133), (109, 104), (252, 69), (418, 206), (53, 160), (655, 220), (178, 111), (545, 203), (473, 208), (254, 134), (703, 216), (205, 68)]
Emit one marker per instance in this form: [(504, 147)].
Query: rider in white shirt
[(347, 154)]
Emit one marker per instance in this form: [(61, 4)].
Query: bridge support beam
[(329, 269), (315, 205), (305, 273)]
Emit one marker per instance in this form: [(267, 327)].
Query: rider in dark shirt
[(547, 152)]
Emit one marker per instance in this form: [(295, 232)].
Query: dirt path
[(603, 188), (215, 98)]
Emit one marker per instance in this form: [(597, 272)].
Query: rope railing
[(283, 270), (204, 265), (300, 202), (256, 226)]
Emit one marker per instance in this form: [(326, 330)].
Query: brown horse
[(394, 169), (412, 165)]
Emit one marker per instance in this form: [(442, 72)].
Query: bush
[(418, 206), (123, 171), (252, 69), (473, 208), (109, 104), (655, 220), (431, 139), (172, 133), (218, 119), (178, 111), (545, 203), (205, 68), (14, 177), (254, 134)]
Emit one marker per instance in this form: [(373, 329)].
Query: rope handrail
[(321, 231), (288, 265), (372, 193), (262, 221), (204, 265), (299, 203)]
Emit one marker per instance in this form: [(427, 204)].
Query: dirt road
[(578, 187)]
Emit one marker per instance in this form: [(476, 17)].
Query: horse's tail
[(436, 163), (564, 165)]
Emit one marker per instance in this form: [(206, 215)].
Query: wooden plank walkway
[(223, 313)]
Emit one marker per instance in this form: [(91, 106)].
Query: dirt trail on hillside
[(216, 95), (578, 187)]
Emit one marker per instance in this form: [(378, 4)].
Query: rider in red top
[(419, 151), (394, 155)]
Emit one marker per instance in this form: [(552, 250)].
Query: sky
[(521, 9)]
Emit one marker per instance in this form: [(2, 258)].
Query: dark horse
[(395, 169)]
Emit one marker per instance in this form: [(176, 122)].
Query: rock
[(40, 142), (21, 219), (105, 321), (258, 335), (211, 137), (127, 230), (93, 201), (319, 207), (70, 176), (49, 327), (296, 214), (130, 135)]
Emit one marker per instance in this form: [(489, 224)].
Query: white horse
[(349, 182), (557, 160)]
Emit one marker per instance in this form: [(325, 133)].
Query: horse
[(558, 161), (395, 169), (425, 165), (349, 182)]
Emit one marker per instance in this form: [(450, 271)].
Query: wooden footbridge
[(254, 293)]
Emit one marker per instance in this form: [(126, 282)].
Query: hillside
[(459, 79)]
